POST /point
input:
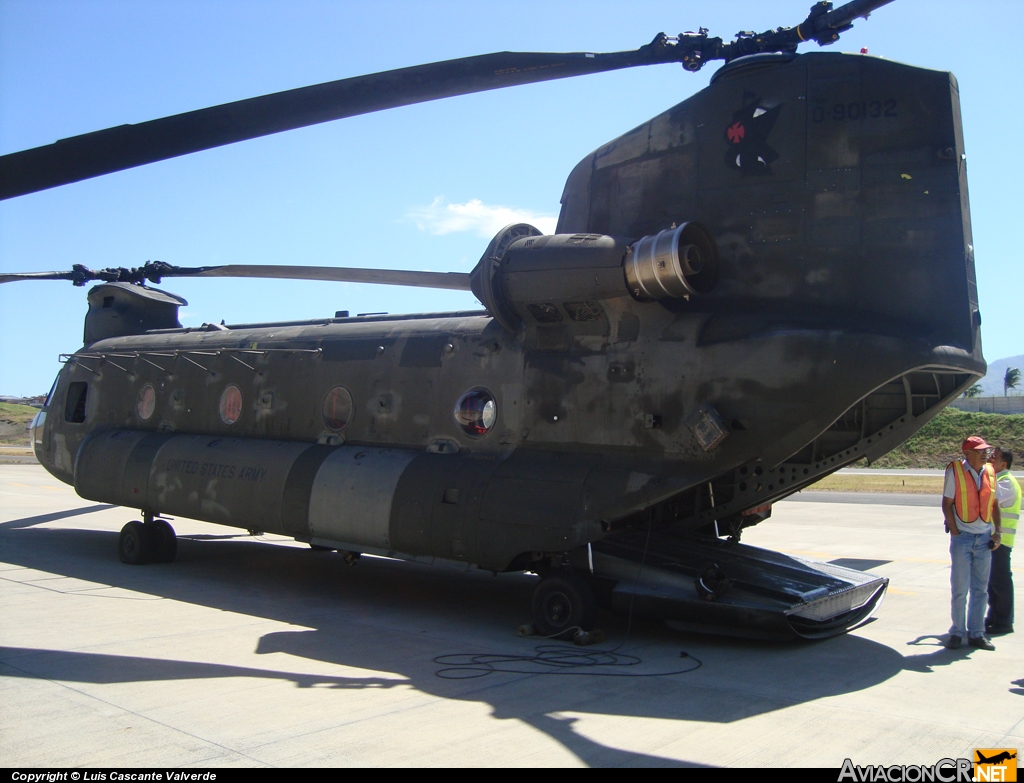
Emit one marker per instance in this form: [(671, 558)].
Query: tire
[(135, 546), (165, 542), (563, 603)]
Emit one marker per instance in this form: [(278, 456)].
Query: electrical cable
[(548, 659), (636, 582)]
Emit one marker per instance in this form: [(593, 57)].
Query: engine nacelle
[(522, 267), (119, 309)]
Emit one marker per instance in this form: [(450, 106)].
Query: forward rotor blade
[(455, 281), (154, 271), (126, 146), (15, 276)]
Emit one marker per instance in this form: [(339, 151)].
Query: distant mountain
[(992, 383)]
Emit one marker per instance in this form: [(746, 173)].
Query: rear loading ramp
[(709, 585)]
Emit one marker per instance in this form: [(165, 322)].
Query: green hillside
[(939, 440), (14, 421)]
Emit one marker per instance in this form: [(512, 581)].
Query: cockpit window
[(49, 397), (74, 407)]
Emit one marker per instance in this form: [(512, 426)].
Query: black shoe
[(981, 643), (999, 630), (953, 643)]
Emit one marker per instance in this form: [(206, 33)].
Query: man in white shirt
[(973, 522), (1000, 581)]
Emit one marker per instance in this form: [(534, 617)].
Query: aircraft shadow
[(857, 563), (432, 611)]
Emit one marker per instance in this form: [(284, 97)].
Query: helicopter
[(767, 282)]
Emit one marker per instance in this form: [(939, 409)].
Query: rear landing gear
[(152, 541), (563, 604)]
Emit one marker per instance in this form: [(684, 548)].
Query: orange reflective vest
[(970, 502)]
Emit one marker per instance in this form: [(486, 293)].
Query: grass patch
[(858, 482), (10, 410), (934, 446), (938, 441), (14, 420)]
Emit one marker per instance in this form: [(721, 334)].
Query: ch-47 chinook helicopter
[(768, 281)]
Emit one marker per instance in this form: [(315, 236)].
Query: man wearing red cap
[(973, 522)]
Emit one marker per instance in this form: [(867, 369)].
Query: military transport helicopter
[(768, 281)]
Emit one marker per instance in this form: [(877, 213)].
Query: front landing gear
[(133, 546), (165, 541), (152, 541), (563, 604)]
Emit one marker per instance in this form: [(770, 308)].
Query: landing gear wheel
[(562, 604), (165, 542), (135, 547)]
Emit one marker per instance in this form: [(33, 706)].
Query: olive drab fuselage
[(843, 315)]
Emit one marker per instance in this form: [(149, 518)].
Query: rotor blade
[(15, 276), (126, 146), (154, 271), (846, 14), (455, 281)]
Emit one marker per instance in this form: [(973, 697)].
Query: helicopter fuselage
[(842, 316), (587, 431)]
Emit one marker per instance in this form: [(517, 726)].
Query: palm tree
[(973, 391), (1010, 380)]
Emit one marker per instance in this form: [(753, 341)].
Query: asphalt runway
[(259, 652)]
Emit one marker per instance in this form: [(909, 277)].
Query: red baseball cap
[(974, 442)]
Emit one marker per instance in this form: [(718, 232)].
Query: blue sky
[(422, 187)]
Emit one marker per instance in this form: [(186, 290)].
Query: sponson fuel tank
[(483, 510)]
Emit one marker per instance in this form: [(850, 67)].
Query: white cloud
[(485, 220)]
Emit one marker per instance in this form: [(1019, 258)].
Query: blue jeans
[(1000, 590), (972, 560)]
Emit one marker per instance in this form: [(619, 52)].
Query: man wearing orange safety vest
[(1000, 581), (974, 525)]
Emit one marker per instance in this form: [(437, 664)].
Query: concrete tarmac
[(259, 652), (1019, 474), (866, 498)]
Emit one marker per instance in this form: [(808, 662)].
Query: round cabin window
[(230, 404), (337, 408), (146, 403), (475, 412)]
